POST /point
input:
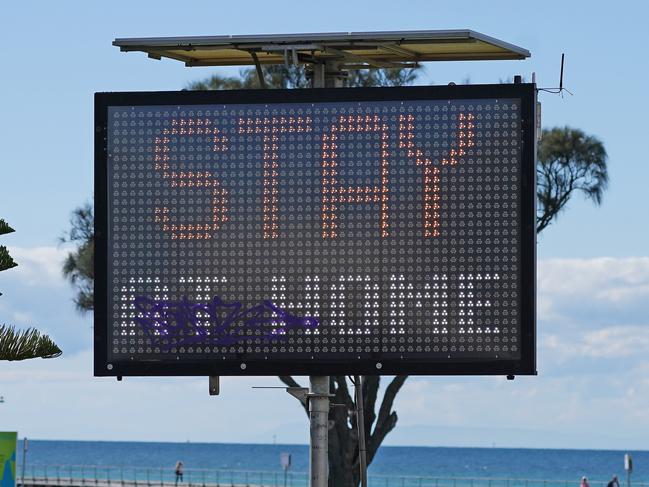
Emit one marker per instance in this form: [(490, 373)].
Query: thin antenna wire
[(560, 89)]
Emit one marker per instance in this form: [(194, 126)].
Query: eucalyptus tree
[(569, 161)]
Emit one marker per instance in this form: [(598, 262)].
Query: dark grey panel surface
[(195, 274)]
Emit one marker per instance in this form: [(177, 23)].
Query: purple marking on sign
[(213, 323)]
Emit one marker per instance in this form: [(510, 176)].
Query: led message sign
[(375, 231)]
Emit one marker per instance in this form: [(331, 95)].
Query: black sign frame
[(526, 365)]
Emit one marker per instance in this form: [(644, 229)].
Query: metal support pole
[(318, 80), (327, 75), (22, 477), (260, 72), (360, 421), (319, 392), (319, 428)]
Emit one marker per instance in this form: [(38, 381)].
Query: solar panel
[(352, 50)]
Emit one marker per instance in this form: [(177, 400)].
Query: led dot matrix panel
[(375, 231)]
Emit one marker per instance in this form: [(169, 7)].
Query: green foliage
[(276, 76), (5, 228), (569, 161), (367, 78), (25, 344), (218, 82), (282, 77), (78, 266), (6, 261), (29, 343)]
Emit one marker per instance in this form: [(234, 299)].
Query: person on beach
[(613, 482), (584, 482), (179, 472)]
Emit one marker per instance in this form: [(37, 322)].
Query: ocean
[(543, 464)]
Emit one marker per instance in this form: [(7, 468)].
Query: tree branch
[(25, 344), (380, 432), (389, 396), (289, 381), (568, 161), (342, 392), (387, 420), (370, 391)]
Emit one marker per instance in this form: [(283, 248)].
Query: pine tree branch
[(6, 262), (25, 344), (5, 228)]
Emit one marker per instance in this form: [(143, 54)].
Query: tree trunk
[(343, 432), (343, 438)]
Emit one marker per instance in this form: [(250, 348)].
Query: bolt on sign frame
[(312, 232)]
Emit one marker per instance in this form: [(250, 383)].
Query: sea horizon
[(554, 464), (279, 443)]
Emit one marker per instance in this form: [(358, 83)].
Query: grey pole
[(360, 421), (324, 75), (319, 428), (24, 461), (327, 75)]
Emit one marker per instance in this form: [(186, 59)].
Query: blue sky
[(593, 262)]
